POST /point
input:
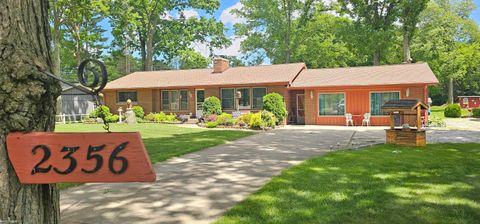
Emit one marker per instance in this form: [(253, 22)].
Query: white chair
[(349, 119), (366, 119)]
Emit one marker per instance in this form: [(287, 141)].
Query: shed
[(469, 102), (74, 103)]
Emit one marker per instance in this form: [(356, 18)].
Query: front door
[(300, 109), (199, 99)]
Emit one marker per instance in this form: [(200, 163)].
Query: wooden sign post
[(46, 157)]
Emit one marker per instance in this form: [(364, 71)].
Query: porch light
[(311, 94), (407, 92)]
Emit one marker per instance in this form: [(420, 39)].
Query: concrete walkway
[(199, 187)]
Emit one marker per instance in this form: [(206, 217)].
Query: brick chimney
[(220, 65)]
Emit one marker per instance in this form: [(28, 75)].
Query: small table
[(357, 119)]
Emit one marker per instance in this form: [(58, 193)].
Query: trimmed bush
[(211, 105), (225, 119), (452, 110), (273, 102), (268, 119), (211, 124), (138, 110), (243, 120), (101, 110), (256, 121), (476, 112), (161, 117), (112, 118)]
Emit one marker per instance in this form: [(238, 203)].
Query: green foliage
[(273, 102), (211, 124), (244, 119), (256, 121), (190, 59), (476, 112), (268, 119), (453, 110), (161, 117), (112, 118), (225, 119), (101, 112), (434, 121), (211, 105), (138, 110)]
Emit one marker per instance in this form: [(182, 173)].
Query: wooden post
[(419, 121), (392, 121)]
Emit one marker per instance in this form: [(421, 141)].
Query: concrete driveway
[(199, 187)]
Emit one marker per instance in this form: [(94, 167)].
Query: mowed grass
[(164, 141), (383, 184), (437, 111)]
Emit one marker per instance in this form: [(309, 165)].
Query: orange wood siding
[(357, 100)]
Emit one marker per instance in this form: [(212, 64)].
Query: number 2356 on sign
[(46, 157)]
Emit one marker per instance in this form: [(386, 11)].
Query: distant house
[(74, 103), (469, 102), (312, 96)]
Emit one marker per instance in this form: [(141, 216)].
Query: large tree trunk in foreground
[(27, 99)]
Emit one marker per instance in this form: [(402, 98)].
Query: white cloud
[(227, 17), (189, 13), (232, 50)]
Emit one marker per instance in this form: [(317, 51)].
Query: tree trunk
[(56, 42), (376, 57), (28, 100), (450, 90), (143, 52), (78, 44), (149, 50), (406, 48)]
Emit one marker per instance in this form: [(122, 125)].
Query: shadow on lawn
[(386, 184)]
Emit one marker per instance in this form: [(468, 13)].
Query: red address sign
[(47, 157)]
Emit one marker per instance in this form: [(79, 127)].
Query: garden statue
[(120, 110), (129, 114)]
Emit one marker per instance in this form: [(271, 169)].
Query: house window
[(228, 98), (465, 100), (378, 99), (258, 94), (331, 104), (244, 101), (174, 100), (122, 97)]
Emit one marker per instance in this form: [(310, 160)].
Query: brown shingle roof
[(284, 73), (364, 76)]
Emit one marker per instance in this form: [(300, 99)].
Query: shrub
[(211, 105), (101, 110), (225, 119), (434, 121), (476, 112), (138, 110), (211, 124), (453, 110), (244, 120), (93, 114), (256, 121), (161, 117), (268, 119), (273, 102), (112, 118)]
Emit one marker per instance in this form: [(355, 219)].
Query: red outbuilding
[(469, 102)]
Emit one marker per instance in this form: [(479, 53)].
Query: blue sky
[(223, 14)]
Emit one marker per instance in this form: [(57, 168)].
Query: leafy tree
[(409, 17), (189, 59), (446, 39), (154, 32), (374, 24), (272, 28)]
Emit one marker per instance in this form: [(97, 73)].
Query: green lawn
[(437, 111), (382, 184), (164, 141)]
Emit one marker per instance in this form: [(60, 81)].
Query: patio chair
[(366, 119), (349, 119)]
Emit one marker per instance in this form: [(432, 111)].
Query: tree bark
[(450, 90), (406, 48), (376, 57), (57, 38), (149, 50), (28, 99)]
